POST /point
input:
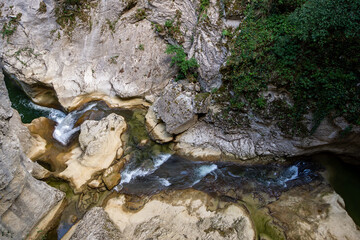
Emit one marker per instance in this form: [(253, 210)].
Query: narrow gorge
[(179, 119)]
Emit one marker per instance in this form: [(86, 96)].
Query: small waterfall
[(65, 129), (50, 113)]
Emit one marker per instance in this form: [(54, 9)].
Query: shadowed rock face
[(24, 200)]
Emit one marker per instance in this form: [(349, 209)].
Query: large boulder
[(156, 128), (178, 107), (95, 225), (313, 213), (27, 206), (100, 144)]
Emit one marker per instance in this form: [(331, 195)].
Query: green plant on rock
[(204, 4), (70, 12), (141, 47), (140, 14), (171, 28), (112, 25), (42, 7), (187, 67), (10, 27), (113, 59)]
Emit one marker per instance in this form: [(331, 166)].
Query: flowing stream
[(170, 172), (154, 168)]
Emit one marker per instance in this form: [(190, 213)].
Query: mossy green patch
[(263, 222)]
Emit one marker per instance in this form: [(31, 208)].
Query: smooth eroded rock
[(27, 206), (99, 144), (178, 215)]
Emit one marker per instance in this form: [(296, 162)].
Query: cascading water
[(65, 129)]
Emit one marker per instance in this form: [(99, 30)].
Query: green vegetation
[(69, 12), (113, 59), (187, 67), (141, 47), (42, 7), (112, 25), (204, 4), (171, 28), (309, 48), (10, 27), (140, 14)]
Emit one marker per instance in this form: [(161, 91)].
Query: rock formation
[(27, 206), (100, 144), (178, 215)]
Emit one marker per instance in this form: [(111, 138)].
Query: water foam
[(65, 129), (129, 174), (289, 174), (202, 171), (164, 182)]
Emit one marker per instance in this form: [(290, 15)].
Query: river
[(155, 168)]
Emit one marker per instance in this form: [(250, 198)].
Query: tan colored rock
[(156, 128), (95, 183), (24, 201), (198, 153), (179, 215), (99, 143), (95, 225), (111, 176), (316, 213), (112, 180)]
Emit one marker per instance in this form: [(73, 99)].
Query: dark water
[(170, 172), (26, 108), (345, 179)]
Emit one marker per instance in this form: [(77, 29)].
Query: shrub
[(311, 49), (187, 67)]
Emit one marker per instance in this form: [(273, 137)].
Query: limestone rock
[(208, 47), (98, 56), (95, 225), (178, 215), (112, 180), (95, 183), (264, 141), (111, 176), (156, 128), (99, 144), (175, 108), (24, 200), (200, 34), (314, 214), (206, 141), (201, 103)]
